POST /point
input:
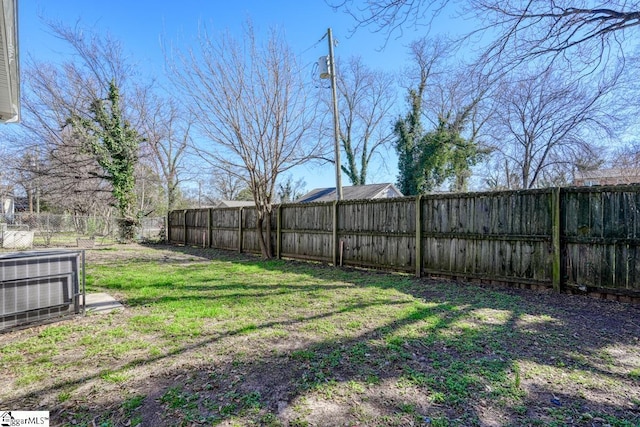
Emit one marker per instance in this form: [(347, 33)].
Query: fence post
[(418, 236), (279, 232), (184, 213), (556, 218), (209, 221), (240, 229), (334, 239), (167, 228)]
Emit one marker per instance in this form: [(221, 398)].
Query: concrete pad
[(101, 303)]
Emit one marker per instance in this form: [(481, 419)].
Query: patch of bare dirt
[(573, 368)]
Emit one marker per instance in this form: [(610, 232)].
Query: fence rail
[(580, 239)]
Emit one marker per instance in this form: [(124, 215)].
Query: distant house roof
[(233, 204), (352, 192), (611, 176)]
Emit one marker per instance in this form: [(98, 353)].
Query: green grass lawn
[(213, 338)]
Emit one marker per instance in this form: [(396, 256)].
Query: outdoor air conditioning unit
[(40, 286), (9, 69)]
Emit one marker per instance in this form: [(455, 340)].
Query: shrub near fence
[(582, 239)]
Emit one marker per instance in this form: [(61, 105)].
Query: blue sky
[(141, 25)]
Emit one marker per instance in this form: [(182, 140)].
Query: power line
[(314, 45)]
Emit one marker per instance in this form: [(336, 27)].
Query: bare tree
[(227, 186), (390, 16), (290, 190), (587, 35), (546, 123), (167, 130), (627, 156), (58, 93), (22, 177), (366, 97), (150, 189), (625, 162), (250, 102), (6, 180), (67, 171), (70, 179), (591, 43), (532, 27)]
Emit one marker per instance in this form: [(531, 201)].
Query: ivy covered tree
[(443, 154), (429, 158), (114, 144), (409, 134)]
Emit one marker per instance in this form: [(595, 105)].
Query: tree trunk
[(171, 196), (265, 235)]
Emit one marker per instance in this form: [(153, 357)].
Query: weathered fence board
[(176, 227), (600, 229), (306, 231), (578, 238), (198, 227), (493, 236), (225, 228), (378, 233), (250, 236)]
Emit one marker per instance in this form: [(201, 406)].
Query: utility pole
[(38, 180), (336, 118)]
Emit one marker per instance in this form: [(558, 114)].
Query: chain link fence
[(24, 230)]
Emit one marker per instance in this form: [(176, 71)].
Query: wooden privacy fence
[(583, 239)]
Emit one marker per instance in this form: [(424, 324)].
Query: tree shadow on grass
[(455, 354)]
